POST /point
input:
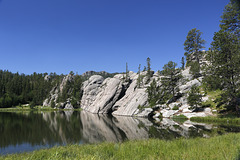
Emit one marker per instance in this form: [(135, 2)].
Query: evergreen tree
[(183, 63), (53, 104), (224, 69), (127, 73), (144, 68), (195, 69), (139, 76), (194, 97), (193, 44), (154, 94), (236, 3), (149, 74), (227, 61), (231, 19), (170, 79)]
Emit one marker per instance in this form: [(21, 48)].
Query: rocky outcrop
[(121, 96), (91, 88), (99, 96), (116, 95), (91, 73), (57, 90), (134, 97)]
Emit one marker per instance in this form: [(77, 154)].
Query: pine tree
[(224, 69), (236, 3), (227, 61), (183, 63), (154, 94), (193, 44), (149, 73), (231, 19), (169, 82), (127, 73), (53, 104), (139, 76), (194, 97)]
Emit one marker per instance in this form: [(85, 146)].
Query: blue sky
[(80, 35)]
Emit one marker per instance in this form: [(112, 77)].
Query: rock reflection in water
[(99, 128), (46, 129)]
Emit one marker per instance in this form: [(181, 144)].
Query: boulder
[(68, 106), (145, 112), (168, 113), (185, 88)]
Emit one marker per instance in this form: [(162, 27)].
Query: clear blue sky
[(80, 35)]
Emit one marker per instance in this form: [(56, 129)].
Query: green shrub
[(175, 107)]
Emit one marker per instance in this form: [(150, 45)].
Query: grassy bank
[(235, 121), (220, 147)]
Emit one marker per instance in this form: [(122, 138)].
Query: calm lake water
[(28, 131)]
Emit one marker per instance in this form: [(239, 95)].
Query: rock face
[(91, 88), (57, 90), (134, 97), (99, 96), (115, 95)]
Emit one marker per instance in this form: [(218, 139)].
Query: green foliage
[(216, 120), (141, 108), (231, 18), (180, 119), (225, 59), (193, 44), (175, 107), (169, 82), (194, 97), (219, 147), (160, 94), (225, 67), (149, 67), (154, 94), (74, 103), (72, 90), (183, 63), (139, 80), (149, 72), (236, 3), (194, 69), (32, 105), (53, 104), (18, 88)]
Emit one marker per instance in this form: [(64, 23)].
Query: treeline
[(18, 88)]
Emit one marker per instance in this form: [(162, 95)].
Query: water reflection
[(26, 131)]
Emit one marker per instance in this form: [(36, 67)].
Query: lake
[(28, 131)]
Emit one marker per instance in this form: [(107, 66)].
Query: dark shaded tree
[(194, 97), (183, 63), (171, 77)]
